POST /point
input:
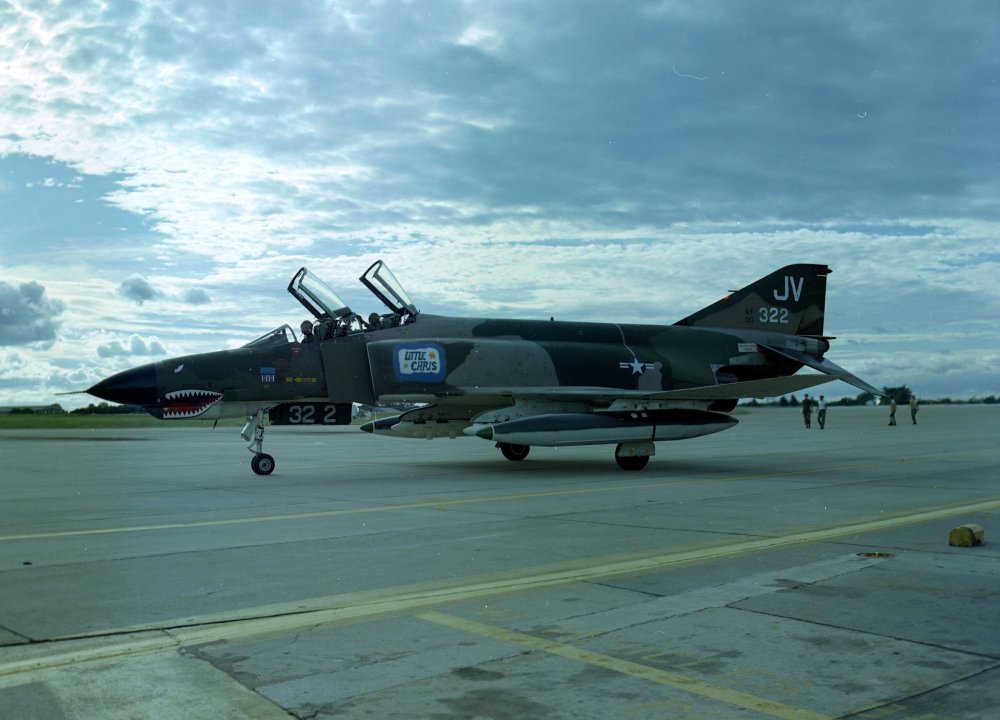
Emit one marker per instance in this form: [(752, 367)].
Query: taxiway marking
[(434, 503), (409, 599), (626, 667)]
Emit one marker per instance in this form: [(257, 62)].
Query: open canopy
[(317, 298), (325, 305), (379, 279)]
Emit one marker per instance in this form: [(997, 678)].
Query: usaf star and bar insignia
[(636, 366)]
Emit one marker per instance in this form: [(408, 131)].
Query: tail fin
[(790, 300)]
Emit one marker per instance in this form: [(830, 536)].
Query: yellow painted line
[(368, 605), (626, 667), (43, 656), (434, 503)]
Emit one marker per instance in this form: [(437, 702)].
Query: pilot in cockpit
[(307, 331)]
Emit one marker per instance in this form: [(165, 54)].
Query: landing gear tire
[(262, 464), (630, 462), (514, 452)]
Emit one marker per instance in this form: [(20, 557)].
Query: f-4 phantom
[(516, 383)]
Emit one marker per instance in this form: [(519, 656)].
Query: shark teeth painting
[(188, 403)]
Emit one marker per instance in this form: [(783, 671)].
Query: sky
[(166, 167)]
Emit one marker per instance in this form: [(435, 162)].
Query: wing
[(768, 387), (465, 404)]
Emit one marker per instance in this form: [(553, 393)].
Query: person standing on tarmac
[(807, 411), (914, 408), (821, 412), (892, 411)]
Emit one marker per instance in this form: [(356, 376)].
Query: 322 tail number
[(777, 316)]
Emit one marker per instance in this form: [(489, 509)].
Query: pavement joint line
[(436, 503), (78, 652), (382, 602), (675, 680)]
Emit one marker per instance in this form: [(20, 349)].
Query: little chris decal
[(419, 363)]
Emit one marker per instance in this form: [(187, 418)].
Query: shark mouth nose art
[(188, 403)]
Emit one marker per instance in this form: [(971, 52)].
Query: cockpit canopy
[(379, 279), (278, 337), (328, 309), (333, 315), (317, 298)]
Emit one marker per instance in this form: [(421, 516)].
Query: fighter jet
[(516, 383)]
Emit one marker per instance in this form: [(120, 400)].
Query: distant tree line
[(99, 409), (107, 409), (53, 409)]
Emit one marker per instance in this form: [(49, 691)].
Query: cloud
[(135, 345), (469, 116), (27, 315), (196, 296), (20, 373), (137, 288)]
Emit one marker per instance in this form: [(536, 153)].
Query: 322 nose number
[(306, 414)]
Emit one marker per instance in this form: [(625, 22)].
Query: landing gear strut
[(262, 463)]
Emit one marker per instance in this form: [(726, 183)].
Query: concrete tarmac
[(766, 571)]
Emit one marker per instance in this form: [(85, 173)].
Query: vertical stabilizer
[(790, 300)]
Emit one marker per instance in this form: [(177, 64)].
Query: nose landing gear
[(262, 464), (253, 431)]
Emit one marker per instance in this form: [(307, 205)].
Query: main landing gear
[(514, 452), (634, 455), (630, 456), (262, 463)]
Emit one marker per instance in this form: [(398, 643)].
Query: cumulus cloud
[(18, 374), (134, 345), (27, 315), (196, 296), (138, 289)]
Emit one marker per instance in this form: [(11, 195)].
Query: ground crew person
[(914, 408), (892, 411), (807, 411), (821, 414)]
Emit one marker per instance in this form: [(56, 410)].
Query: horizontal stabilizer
[(825, 366)]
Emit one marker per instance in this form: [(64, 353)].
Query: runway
[(766, 571)]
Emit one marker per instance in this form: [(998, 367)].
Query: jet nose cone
[(131, 387)]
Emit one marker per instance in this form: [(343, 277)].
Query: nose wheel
[(262, 463)]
